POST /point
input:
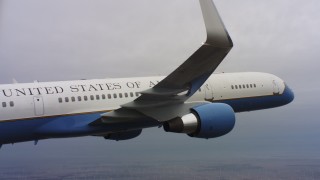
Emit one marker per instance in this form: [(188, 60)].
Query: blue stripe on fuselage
[(263, 102)]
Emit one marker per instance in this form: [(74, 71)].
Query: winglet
[(217, 34)]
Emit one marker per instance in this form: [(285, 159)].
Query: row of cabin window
[(4, 104), (97, 97), (243, 86)]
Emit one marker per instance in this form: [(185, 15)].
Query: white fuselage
[(47, 99)]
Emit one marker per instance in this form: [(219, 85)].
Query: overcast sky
[(75, 39)]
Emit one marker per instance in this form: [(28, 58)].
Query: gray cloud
[(74, 39)]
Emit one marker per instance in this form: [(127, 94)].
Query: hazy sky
[(75, 39)]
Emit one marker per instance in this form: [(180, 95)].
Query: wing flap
[(165, 113)]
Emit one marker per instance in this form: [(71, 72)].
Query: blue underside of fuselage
[(78, 125), (52, 127)]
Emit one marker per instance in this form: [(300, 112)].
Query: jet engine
[(204, 121)]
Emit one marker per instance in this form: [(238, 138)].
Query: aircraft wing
[(166, 100), (189, 77)]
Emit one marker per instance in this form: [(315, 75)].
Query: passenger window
[(243, 86), (120, 95), (66, 99), (73, 99), (91, 97), (231, 86), (250, 85), (254, 85), (239, 86), (11, 104), (236, 86), (131, 94), (79, 98), (97, 97), (109, 96), (85, 98), (60, 100), (103, 96), (4, 104), (137, 94), (247, 85), (126, 95), (114, 95)]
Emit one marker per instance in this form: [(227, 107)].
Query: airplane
[(191, 100)]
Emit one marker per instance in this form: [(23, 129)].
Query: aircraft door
[(208, 92), (275, 87), (38, 105)]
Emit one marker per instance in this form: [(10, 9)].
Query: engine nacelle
[(204, 121), (125, 135)]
